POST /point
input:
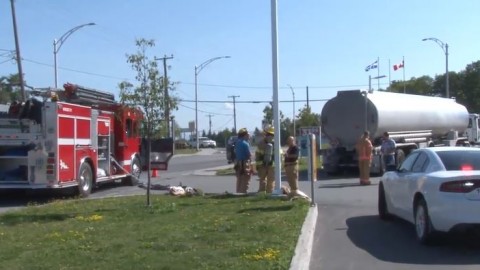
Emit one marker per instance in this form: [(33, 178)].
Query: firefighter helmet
[(242, 132), (270, 131)]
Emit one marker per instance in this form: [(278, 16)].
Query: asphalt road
[(350, 236)]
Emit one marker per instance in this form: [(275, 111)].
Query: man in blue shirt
[(242, 161), (388, 151)]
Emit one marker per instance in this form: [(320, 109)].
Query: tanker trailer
[(413, 121)]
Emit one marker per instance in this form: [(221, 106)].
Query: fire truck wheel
[(133, 179), (85, 180)]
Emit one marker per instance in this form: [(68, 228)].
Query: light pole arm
[(204, 64), (58, 43), (444, 47), (440, 43), (197, 70)]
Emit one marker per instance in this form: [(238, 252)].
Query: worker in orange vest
[(364, 151)]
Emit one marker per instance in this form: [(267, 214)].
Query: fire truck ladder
[(75, 93)]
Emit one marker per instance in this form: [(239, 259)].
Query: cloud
[(228, 106)]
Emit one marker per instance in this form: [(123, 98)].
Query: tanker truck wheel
[(399, 156)]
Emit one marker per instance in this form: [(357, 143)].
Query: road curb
[(303, 250)]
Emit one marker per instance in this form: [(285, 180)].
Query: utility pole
[(210, 123), (308, 106), (234, 114), (17, 49), (165, 85), (172, 118)]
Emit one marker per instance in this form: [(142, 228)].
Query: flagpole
[(403, 63), (378, 73), (389, 74), (369, 83)]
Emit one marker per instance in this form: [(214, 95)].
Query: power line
[(6, 61), (224, 125), (252, 101), (209, 85), (78, 71), (269, 87), (224, 114)]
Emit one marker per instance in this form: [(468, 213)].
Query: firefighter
[(364, 150), (242, 162), (264, 161)]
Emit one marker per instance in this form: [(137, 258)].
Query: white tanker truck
[(413, 121)]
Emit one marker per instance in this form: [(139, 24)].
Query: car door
[(399, 185), (410, 187)]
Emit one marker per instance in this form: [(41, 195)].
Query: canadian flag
[(396, 67)]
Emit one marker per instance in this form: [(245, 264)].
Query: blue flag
[(372, 66)]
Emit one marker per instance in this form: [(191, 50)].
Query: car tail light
[(460, 186)]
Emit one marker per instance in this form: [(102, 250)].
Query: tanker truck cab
[(473, 130)]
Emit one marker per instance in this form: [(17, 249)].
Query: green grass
[(211, 232), (227, 171), (302, 166)]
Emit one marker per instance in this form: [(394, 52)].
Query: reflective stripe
[(64, 141)]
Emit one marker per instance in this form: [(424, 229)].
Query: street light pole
[(444, 47), (293, 115), (234, 113), (197, 71), (57, 44)]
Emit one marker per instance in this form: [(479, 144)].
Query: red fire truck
[(75, 137)]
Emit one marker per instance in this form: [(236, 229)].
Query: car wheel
[(382, 204), (85, 180), (423, 225)]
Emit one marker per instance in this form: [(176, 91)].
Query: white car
[(436, 189), (206, 142), (203, 142)]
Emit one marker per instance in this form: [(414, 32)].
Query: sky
[(323, 47)]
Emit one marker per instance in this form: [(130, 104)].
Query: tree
[(284, 127), (306, 118), (268, 115), (471, 87), (9, 88), (418, 86), (148, 95)]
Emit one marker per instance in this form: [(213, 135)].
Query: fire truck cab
[(77, 137)]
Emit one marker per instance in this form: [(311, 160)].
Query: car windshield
[(460, 160)]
